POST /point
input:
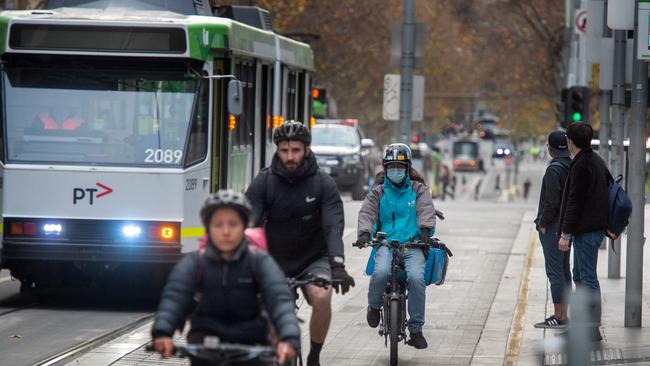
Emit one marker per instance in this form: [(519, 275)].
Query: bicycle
[(224, 354), (300, 282), (393, 318)]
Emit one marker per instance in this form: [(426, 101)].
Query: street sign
[(596, 14), (581, 21), (620, 14), (392, 97), (396, 44), (643, 40)]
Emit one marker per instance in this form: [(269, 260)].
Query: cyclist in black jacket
[(220, 287), (302, 213)]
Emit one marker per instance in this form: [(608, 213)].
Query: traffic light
[(319, 102), (577, 105)]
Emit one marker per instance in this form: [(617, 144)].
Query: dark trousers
[(585, 265), (556, 263)]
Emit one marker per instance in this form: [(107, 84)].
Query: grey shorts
[(320, 267)]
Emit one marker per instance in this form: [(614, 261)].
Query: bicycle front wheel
[(394, 330)]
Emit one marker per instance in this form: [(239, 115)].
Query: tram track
[(67, 355)]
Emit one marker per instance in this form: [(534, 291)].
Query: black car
[(338, 151)]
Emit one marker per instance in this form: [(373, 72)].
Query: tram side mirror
[(235, 97)]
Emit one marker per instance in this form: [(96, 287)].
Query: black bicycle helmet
[(292, 130), (397, 153), (226, 198)]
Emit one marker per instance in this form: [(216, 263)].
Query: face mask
[(396, 175)]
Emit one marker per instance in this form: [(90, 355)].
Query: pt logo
[(80, 194)]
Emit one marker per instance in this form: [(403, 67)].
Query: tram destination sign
[(127, 39)]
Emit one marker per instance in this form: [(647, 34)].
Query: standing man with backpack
[(302, 212), (547, 222), (584, 215)]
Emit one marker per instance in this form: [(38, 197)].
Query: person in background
[(584, 215), (556, 262)]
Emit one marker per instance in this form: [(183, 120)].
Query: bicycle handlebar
[(294, 282), (221, 350), (436, 243)]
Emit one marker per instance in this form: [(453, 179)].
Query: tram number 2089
[(160, 156)]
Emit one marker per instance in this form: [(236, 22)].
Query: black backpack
[(619, 209)]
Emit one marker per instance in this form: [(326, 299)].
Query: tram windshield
[(84, 115), (465, 149)]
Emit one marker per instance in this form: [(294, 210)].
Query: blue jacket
[(401, 212), (397, 212)]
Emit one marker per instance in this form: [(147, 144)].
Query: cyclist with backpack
[(302, 212), (547, 222), (400, 205), (220, 288)]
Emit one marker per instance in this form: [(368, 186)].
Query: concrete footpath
[(620, 345)]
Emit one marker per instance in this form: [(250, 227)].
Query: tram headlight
[(499, 151), (131, 231), (52, 229), (506, 151)]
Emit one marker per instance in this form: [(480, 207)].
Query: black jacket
[(585, 196), (301, 211), (223, 298), (550, 196)]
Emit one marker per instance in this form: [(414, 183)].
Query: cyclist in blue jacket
[(400, 205)]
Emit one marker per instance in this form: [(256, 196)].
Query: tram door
[(241, 132), (219, 129)]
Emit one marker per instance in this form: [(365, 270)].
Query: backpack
[(619, 209), (256, 237)]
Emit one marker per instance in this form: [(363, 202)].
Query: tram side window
[(300, 93), (291, 96), (197, 146)]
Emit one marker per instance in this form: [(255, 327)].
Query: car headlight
[(351, 159)]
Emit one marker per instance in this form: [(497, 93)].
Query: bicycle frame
[(395, 291)]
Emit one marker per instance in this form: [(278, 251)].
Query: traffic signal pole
[(636, 154), (407, 64), (618, 130), (605, 134)]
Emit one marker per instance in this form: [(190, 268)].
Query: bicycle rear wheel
[(394, 330)]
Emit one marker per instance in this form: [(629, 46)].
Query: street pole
[(408, 60), (618, 129), (605, 133), (636, 154), (605, 102)]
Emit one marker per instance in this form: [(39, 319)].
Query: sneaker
[(553, 323), (417, 340), (373, 316)]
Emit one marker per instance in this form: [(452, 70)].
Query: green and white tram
[(119, 118)]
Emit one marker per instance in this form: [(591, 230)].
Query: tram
[(466, 155), (120, 117)]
